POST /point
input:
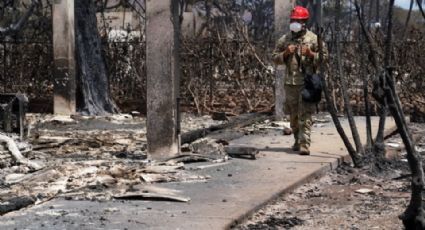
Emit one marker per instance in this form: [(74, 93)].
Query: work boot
[(296, 146), (304, 150)]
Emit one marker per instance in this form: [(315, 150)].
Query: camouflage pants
[(300, 113)]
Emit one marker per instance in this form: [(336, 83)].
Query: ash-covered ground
[(347, 198), (92, 158)]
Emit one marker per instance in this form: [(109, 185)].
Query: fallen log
[(237, 122)]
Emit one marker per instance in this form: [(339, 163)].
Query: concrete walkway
[(235, 190)]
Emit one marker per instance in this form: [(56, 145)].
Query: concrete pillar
[(64, 57), (162, 31), (282, 11)]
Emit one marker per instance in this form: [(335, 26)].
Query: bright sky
[(405, 4)]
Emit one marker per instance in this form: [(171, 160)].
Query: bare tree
[(362, 72), (355, 156), (343, 81), (414, 216)]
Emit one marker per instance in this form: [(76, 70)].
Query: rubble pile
[(96, 158)]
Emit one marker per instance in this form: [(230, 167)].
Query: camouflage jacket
[(296, 64)]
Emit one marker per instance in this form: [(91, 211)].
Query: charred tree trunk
[(357, 160), (93, 94), (406, 24), (379, 146), (369, 141), (344, 83), (414, 216), (365, 77)]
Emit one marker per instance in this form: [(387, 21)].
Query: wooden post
[(162, 32), (282, 11), (64, 57)]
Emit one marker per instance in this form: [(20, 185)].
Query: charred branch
[(365, 77), (16, 27), (421, 9), (406, 24)]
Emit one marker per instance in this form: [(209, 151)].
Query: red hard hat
[(300, 12)]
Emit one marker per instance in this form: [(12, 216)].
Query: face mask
[(295, 27)]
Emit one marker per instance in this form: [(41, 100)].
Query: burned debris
[(192, 86), (100, 158)]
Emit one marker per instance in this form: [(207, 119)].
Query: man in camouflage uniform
[(299, 52)]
